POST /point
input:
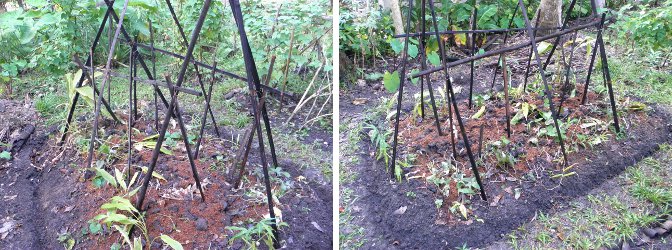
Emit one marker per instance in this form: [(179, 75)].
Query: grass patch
[(642, 194), (636, 71)]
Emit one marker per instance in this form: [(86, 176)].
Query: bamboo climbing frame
[(595, 21), (171, 106)]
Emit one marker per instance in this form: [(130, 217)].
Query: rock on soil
[(201, 224)]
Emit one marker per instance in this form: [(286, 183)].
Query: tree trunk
[(395, 12), (21, 4), (597, 4), (550, 15)]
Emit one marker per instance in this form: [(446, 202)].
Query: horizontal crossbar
[(504, 50), (150, 82)]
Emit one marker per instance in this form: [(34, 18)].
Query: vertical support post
[(506, 38), (549, 95), (607, 75), (505, 73), (423, 65), (135, 75), (400, 94), (71, 112), (106, 80), (590, 68), (171, 108), (114, 16), (473, 52), (254, 86), (156, 104), (463, 131), (529, 58), (565, 87), (196, 68), (204, 118), (131, 68)]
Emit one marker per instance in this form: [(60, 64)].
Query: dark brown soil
[(422, 226), (54, 198)]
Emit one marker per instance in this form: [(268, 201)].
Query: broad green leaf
[(412, 50), (432, 46), (171, 242), (107, 176), (27, 36), (434, 58), (87, 93), (391, 81), (94, 227), (396, 45), (125, 204), (120, 219), (146, 4), (36, 3)]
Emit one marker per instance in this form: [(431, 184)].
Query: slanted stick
[(505, 72)]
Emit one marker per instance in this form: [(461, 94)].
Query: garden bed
[(51, 198), (417, 212)]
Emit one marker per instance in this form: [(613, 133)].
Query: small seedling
[(5, 155), (256, 233), (438, 203), (379, 140)]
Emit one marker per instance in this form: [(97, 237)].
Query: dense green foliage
[(649, 24), (44, 36), (369, 22)]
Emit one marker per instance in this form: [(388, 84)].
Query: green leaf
[(414, 80), (120, 178), (151, 145), (479, 113), (87, 93), (154, 174), (120, 219), (5, 155), (434, 58), (37, 3), (412, 50), (391, 81), (137, 244), (544, 47), (94, 227), (396, 45), (107, 176), (27, 36), (171, 242), (98, 182)]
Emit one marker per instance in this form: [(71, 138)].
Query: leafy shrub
[(648, 25)]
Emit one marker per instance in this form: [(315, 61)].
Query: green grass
[(640, 195), (636, 71)]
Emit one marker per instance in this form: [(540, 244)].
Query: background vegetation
[(40, 38)]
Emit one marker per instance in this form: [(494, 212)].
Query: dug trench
[(48, 200), (420, 225)]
